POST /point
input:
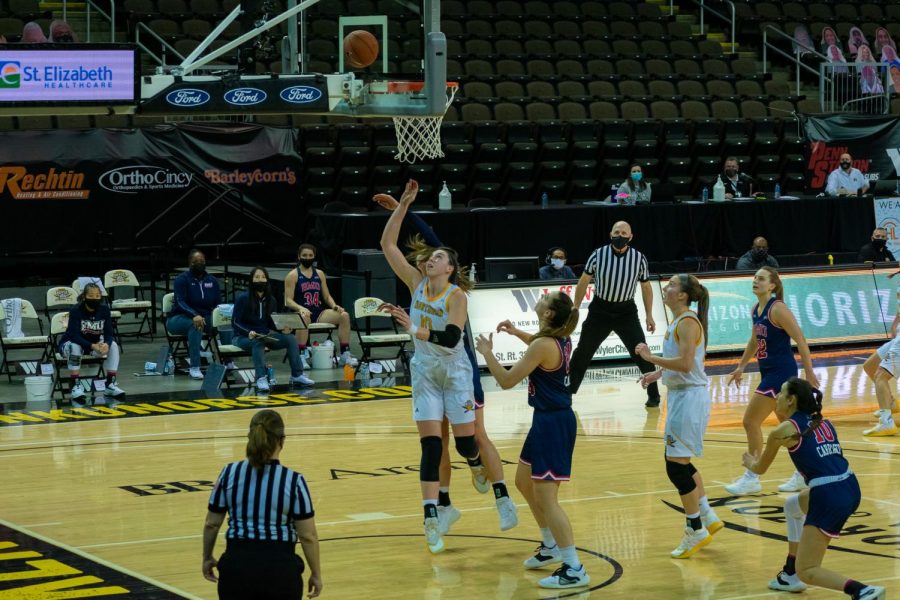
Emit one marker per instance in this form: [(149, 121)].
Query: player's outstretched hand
[(385, 201), (410, 193), (485, 345), (505, 327), (643, 350)]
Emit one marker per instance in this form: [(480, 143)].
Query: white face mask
[(557, 263)]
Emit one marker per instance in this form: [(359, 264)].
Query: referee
[(616, 270), (270, 510)]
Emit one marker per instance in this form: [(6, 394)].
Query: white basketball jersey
[(697, 374), (431, 312)]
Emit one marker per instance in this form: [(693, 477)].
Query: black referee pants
[(605, 317), (254, 569)]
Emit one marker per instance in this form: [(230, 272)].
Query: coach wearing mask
[(616, 270), (876, 250), (269, 510), (196, 295)]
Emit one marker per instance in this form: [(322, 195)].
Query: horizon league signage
[(263, 95), (829, 307), (59, 74)]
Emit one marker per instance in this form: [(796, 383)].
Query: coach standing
[(616, 270), (270, 510)]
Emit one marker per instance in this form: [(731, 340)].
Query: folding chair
[(326, 329), (226, 352), (60, 298), (115, 315), (178, 344), (140, 308), (26, 343), (365, 309), (58, 324)]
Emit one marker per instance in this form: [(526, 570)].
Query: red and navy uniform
[(773, 352), (550, 442), (308, 293), (834, 491)]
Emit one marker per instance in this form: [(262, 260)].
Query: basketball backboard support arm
[(431, 18), (215, 33)]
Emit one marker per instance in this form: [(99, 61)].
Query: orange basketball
[(360, 49)]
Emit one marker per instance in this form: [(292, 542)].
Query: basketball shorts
[(832, 504), (442, 386), (686, 419), (889, 352), (773, 378), (549, 445)]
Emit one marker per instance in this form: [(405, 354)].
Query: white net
[(418, 137)]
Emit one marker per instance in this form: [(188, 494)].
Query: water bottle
[(705, 195), (364, 371), (612, 193), (545, 200), (472, 273), (445, 198), (270, 373), (777, 191), (170, 366)]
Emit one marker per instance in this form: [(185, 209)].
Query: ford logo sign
[(187, 97), (245, 96), (300, 94)]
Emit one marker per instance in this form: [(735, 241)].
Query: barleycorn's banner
[(873, 142), (856, 305), (887, 215), (156, 186)]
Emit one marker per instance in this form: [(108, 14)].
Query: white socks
[(704, 505), (547, 538), (570, 557), (750, 474)]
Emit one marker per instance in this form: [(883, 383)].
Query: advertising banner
[(288, 94), (59, 74), (887, 215)]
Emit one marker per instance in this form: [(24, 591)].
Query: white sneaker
[(882, 429), (543, 556), (693, 540), (795, 484), (262, 384), (872, 592), (347, 359), (447, 516), (787, 583), (77, 395), (230, 366), (744, 485), (895, 408), (509, 514), (113, 389), (433, 535), (302, 379), (195, 373), (566, 577), (711, 522), (480, 480)]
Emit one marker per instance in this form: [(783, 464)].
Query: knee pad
[(429, 467), (794, 518), (466, 446), (681, 476)]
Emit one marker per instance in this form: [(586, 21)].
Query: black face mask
[(259, 286), (306, 262), (879, 244), (620, 242), (759, 255), (92, 303), (845, 164), (730, 172), (197, 270)]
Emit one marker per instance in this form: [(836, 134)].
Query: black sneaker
[(652, 402)]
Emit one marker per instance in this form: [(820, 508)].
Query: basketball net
[(418, 137)]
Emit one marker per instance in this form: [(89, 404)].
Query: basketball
[(360, 49)]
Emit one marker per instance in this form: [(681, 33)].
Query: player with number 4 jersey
[(774, 326)]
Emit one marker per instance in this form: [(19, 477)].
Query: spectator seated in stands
[(737, 184), (757, 257), (254, 330), (637, 190), (61, 32), (196, 295), (33, 34), (876, 250), (845, 180), (556, 267)]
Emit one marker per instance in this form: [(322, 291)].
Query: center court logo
[(10, 74)]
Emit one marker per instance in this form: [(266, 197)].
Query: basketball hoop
[(418, 136)]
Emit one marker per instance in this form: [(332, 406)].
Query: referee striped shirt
[(616, 275), (261, 504)]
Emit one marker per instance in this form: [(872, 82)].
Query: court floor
[(102, 505)]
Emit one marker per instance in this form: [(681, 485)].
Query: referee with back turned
[(616, 270), (269, 510)]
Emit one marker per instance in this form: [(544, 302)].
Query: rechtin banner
[(873, 142), (70, 191)]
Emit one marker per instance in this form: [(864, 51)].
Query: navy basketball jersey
[(773, 344), (818, 454), (549, 390), (308, 291)]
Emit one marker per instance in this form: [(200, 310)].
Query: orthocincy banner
[(67, 73), (833, 306)]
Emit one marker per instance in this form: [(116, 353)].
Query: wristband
[(412, 329)]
